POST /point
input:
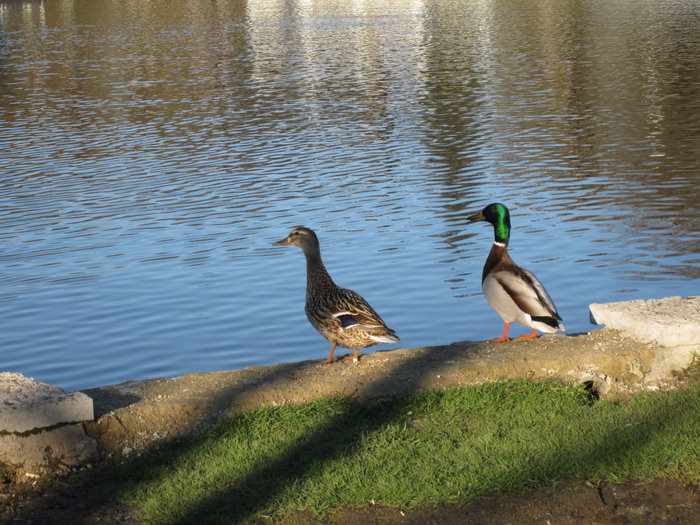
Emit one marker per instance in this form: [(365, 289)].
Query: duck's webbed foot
[(528, 336), (504, 337)]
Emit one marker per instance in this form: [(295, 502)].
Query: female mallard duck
[(515, 293), (340, 315)]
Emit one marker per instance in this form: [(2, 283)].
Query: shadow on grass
[(340, 435)]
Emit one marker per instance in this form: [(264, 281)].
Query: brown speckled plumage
[(340, 315)]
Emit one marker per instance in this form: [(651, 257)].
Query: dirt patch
[(570, 502), (68, 499)]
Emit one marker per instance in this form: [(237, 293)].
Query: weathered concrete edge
[(41, 426), (671, 321), (66, 444)]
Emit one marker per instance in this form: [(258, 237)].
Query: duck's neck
[(501, 231), (499, 252), (317, 277)]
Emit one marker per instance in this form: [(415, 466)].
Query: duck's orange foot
[(504, 337), (328, 361), (354, 357), (528, 336)]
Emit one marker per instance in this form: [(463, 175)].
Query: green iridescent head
[(497, 214)]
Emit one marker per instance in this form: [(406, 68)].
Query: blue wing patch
[(347, 320)]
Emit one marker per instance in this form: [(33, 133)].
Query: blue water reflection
[(152, 153)]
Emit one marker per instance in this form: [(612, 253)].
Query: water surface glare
[(150, 153)]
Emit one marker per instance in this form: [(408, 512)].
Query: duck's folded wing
[(527, 292), (352, 310)]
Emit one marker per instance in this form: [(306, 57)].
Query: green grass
[(435, 447)]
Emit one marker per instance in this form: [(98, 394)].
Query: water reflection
[(151, 152)]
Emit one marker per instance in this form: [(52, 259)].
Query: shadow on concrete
[(107, 400)]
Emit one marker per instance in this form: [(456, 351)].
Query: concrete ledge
[(132, 414)]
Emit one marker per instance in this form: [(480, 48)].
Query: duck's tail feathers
[(386, 338), (548, 324)]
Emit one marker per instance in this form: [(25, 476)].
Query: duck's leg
[(330, 354), (354, 357), (504, 337), (528, 336)]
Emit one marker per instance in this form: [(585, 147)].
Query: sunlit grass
[(436, 447)]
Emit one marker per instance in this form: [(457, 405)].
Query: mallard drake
[(514, 292), (340, 315)]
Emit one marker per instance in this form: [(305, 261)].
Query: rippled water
[(151, 152)]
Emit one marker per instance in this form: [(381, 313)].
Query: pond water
[(152, 152)]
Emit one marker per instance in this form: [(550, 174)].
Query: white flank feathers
[(384, 338)]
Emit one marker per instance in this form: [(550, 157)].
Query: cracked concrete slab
[(66, 445), (40, 425)]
